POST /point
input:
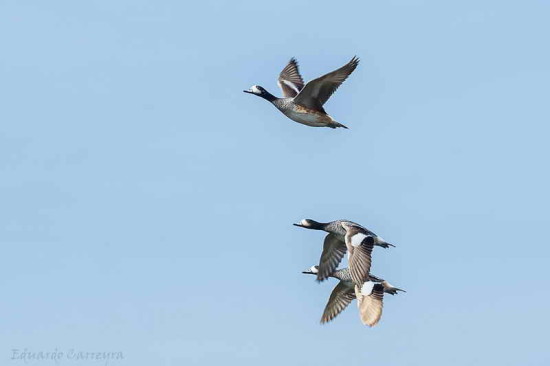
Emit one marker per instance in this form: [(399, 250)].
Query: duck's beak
[(299, 224), (248, 91)]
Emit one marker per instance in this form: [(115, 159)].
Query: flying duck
[(304, 104), (370, 296), (335, 246)]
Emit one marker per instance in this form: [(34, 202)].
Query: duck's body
[(305, 116), (336, 227), (304, 104), (336, 245), (369, 294), (344, 275)]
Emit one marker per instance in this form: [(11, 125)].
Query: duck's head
[(257, 90), (308, 224), (312, 270), (261, 92)]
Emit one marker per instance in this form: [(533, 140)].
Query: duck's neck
[(268, 96), (314, 225)]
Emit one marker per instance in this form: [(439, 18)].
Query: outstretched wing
[(360, 260), (290, 81), (317, 91), (339, 299), (333, 252), (359, 244), (370, 302)]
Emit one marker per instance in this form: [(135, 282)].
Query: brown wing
[(333, 251), (317, 91), (370, 306), (290, 81), (339, 299), (360, 260)]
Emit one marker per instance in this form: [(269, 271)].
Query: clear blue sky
[(146, 203)]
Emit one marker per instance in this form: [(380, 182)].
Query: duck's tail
[(391, 289), (335, 124)]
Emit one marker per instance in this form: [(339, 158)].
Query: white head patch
[(314, 269), (254, 89), (357, 239)]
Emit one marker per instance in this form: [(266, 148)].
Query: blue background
[(146, 203)]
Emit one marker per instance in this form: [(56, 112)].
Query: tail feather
[(391, 289), (384, 244), (335, 124)]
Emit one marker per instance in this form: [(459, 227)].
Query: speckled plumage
[(370, 304), (334, 247), (304, 103)]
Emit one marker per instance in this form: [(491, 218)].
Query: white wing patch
[(357, 239), (367, 287), (292, 85)]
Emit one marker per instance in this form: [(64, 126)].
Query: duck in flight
[(369, 294), (304, 104)]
